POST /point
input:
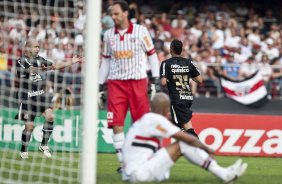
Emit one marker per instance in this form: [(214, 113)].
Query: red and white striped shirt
[(128, 53)]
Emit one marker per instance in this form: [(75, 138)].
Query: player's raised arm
[(67, 63)]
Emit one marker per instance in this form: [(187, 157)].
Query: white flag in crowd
[(251, 91)]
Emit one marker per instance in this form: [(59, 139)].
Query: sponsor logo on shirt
[(147, 42), (132, 40), (160, 128), (179, 69), (125, 54), (186, 97), (35, 93), (35, 77)]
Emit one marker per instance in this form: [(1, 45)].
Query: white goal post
[(91, 91)]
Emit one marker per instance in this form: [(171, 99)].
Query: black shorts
[(29, 108), (180, 112)]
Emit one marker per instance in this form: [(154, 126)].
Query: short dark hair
[(176, 46), (123, 4)]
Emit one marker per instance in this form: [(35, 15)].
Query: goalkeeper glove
[(101, 96), (155, 86)]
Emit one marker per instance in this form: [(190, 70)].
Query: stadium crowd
[(229, 39), (59, 32)]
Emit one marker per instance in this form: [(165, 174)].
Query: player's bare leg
[(174, 151), (201, 158), (47, 132), (26, 135), (118, 140), (187, 127)]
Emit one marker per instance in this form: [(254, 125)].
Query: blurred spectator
[(107, 21), (270, 50), (232, 42), (230, 69), (245, 47), (19, 19), (276, 77), (6, 78), (33, 20), (266, 72), (254, 36), (58, 53), (133, 11), (196, 30), (178, 32), (248, 68), (179, 21), (265, 68), (268, 19), (214, 71), (274, 32), (79, 40), (79, 23), (63, 38), (63, 100), (218, 36), (242, 10), (17, 33), (165, 22)]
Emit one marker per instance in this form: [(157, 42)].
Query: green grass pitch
[(63, 168), (261, 170)]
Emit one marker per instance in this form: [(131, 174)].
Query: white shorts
[(155, 169)]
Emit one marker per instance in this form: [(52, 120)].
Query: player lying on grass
[(145, 161)]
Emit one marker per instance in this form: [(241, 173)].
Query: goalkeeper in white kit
[(145, 161)]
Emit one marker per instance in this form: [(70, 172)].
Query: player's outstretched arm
[(61, 65)]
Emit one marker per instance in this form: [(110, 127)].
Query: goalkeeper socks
[(201, 158), (118, 143), (25, 140), (47, 131), (191, 131)]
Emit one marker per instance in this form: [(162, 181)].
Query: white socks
[(118, 140), (201, 158), (195, 155)]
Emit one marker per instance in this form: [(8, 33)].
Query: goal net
[(59, 27)]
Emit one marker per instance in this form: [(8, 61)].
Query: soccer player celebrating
[(175, 74), (145, 161), (32, 94), (127, 48)]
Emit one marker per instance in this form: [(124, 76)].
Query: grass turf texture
[(62, 168)]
